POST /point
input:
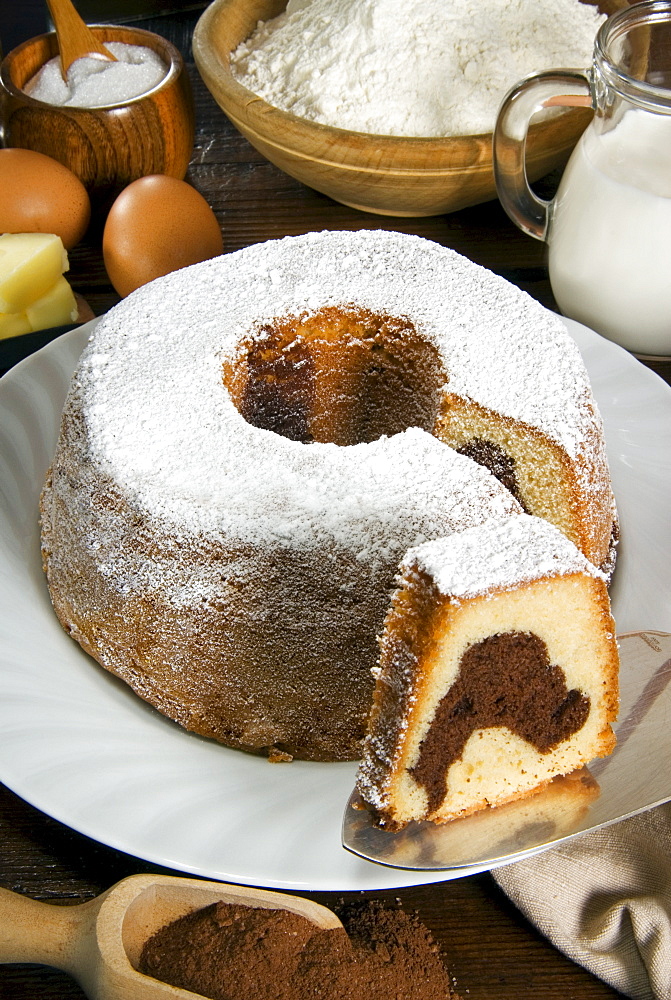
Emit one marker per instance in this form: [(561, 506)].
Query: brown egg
[(157, 225), (40, 195)]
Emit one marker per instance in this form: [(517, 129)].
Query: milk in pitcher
[(610, 233)]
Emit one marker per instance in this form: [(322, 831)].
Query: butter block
[(55, 308), (13, 325), (30, 265)]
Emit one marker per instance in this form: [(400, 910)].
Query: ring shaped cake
[(250, 446)]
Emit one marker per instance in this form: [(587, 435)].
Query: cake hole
[(339, 376)]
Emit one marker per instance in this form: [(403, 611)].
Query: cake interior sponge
[(498, 672)]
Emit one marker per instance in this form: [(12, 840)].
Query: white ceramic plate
[(77, 744)]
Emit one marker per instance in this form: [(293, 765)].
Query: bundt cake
[(251, 444), (498, 671)]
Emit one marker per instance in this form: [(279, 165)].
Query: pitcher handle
[(554, 88)]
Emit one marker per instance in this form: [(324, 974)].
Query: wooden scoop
[(99, 942), (75, 38)]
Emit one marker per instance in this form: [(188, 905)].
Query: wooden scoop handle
[(75, 38), (44, 933)]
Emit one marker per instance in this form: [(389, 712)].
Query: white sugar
[(94, 82)]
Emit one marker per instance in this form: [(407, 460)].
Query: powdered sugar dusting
[(160, 422), (498, 555)]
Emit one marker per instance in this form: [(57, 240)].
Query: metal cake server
[(636, 777)]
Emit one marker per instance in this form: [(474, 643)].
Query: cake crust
[(250, 446)]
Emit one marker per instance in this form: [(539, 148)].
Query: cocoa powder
[(226, 951)]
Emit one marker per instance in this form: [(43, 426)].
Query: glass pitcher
[(608, 229)]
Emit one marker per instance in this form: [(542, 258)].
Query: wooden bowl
[(110, 146), (382, 174)]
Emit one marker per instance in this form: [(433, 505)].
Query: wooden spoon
[(99, 942), (75, 38)]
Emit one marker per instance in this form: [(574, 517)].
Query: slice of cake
[(498, 671)]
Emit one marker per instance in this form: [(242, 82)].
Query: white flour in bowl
[(401, 67)]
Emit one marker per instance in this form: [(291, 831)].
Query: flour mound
[(388, 67)]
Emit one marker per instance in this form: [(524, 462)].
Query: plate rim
[(366, 875)]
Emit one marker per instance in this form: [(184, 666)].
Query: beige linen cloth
[(604, 899)]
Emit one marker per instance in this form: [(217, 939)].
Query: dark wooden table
[(493, 952)]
